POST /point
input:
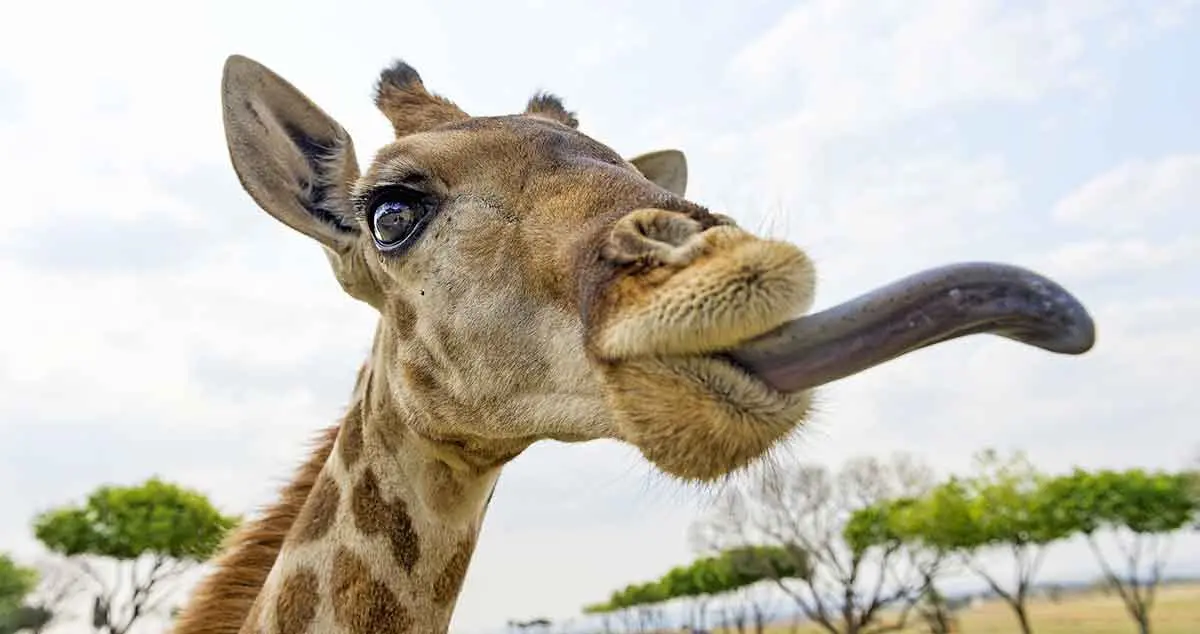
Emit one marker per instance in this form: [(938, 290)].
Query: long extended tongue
[(917, 311)]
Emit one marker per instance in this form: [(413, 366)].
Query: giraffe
[(532, 284)]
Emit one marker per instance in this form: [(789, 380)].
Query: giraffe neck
[(383, 541)]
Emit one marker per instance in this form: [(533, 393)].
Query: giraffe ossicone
[(531, 284)]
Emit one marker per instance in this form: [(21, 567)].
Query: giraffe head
[(532, 283)]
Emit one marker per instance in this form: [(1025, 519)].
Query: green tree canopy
[(871, 526), (1137, 500), (638, 595), (171, 526), (154, 518), (603, 607), (707, 577), (679, 582), (712, 575), (748, 565), (1004, 505), (911, 525), (1139, 510)]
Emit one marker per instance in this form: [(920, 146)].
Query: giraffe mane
[(222, 601)]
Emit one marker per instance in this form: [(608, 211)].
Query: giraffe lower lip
[(915, 312)]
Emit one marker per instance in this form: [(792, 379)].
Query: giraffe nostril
[(652, 236), (666, 227)]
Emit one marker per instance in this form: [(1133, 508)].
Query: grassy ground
[(1177, 611)]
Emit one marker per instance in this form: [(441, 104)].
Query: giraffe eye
[(397, 218)]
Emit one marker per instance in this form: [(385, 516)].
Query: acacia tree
[(721, 528), (646, 599), (697, 583), (748, 567), (603, 611), (723, 532), (694, 584), (1002, 507), (844, 583), (1140, 512), (700, 581), (148, 535), (638, 604), (902, 522)]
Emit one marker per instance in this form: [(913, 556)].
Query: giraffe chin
[(698, 417), (915, 312)]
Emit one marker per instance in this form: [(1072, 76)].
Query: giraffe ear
[(665, 168), (294, 160)]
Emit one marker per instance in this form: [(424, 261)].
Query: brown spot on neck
[(362, 604), (375, 516), (350, 442), (449, 582), (316, 518), (296, 603)]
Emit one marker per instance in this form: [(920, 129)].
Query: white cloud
[(142, 336), (906, 211), (1099, 258), (1127, 197), (1136, 226), (858, 69), (855, 73)]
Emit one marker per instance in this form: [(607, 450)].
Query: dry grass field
[(1177, 612)]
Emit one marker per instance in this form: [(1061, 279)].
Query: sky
[(158, 323)]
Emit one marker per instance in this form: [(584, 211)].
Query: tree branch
[(1108, 572), (969, 562), (1156, 571)]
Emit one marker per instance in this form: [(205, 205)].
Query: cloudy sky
[(157, 322)]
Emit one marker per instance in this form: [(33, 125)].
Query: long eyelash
[(360, 202), (364, 200)]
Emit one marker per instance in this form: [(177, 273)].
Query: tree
[(748, 567), (696, 582), (903, 522), (150, 534), (16, 582), (602, 610), (702, 580), (1140, 511), (1003, 506), (638, 602), (843, 581), (723, 532)]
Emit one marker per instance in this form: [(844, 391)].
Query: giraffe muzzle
[(915, 312)]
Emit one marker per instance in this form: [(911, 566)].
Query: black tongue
[(914, 312)]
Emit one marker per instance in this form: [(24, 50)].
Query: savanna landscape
[(532, 317), (1177, 612)]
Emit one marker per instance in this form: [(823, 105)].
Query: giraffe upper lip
[(917, 311)]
